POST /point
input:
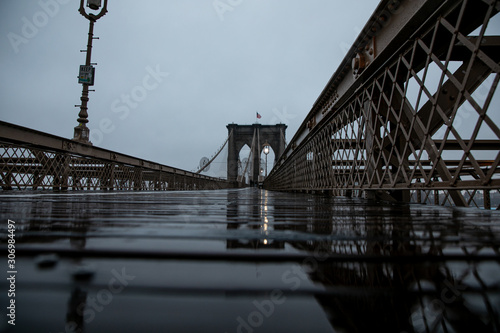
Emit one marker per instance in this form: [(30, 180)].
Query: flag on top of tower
[(258, 116)]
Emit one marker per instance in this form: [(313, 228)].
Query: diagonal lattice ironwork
[(419, 123), (60, 164), (35, 168)]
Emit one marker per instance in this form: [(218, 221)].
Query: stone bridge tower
[(244, 134)]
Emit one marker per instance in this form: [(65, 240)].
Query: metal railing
[(410, 113), (35, 160)]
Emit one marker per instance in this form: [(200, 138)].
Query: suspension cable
[(217, 154)]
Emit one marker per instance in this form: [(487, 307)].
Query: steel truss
[(34, 160), (409, 121)]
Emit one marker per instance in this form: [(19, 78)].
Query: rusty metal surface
[(391, 124), (248, 260), (35, 160)]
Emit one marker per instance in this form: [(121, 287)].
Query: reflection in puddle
[(253, 260)]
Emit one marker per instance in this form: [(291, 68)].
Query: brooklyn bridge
[(380, 213)]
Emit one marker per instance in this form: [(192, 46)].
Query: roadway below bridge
[(246, 260)]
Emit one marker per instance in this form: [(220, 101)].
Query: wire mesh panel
[(422, 126)]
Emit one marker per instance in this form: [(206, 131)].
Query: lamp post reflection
[(263, 214)]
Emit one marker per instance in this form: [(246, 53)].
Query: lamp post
[(266, 151), (86, 76)]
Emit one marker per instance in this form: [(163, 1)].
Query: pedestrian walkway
[(247, 260)]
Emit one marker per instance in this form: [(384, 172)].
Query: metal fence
[(410, 115), (34, 160)]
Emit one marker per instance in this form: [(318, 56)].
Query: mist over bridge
[(330, 243)]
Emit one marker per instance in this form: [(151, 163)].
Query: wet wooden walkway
[(246, 260)]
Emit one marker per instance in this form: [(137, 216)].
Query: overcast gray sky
[(188, 67)]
